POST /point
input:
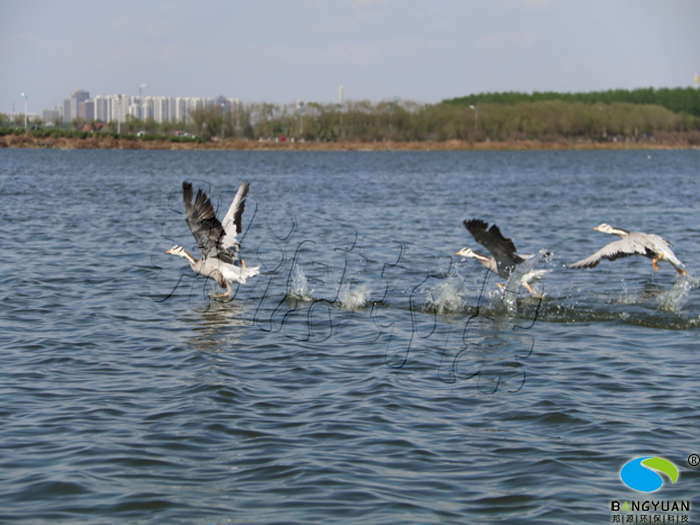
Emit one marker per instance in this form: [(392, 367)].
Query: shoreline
[(27, 141)]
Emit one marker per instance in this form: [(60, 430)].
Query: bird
[(216, 240), (503, 258), (649, 245)]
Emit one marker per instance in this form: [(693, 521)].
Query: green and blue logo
[(640, 473)]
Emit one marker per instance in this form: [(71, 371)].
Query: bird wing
[(502, 249), (202, 222), (232, 220), (625, 247)]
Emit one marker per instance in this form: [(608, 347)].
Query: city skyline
[(118, 107), (279, 52)]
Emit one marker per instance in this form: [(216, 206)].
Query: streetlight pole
[(223, 118), (119, 119), (25, 97), (476, 117)]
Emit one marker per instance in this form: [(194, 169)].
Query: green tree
[(130, 124), (77, 123), (207, 121)]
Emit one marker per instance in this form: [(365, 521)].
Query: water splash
[(352, 298), (674, 299), (299, 286), (447, 296)]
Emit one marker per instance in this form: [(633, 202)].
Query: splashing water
[(674, 299), (299, 286), (350, 298), (447, 296)]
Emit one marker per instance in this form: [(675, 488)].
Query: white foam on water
[(353, 297), (674, 299), (299, 287), (447, 296)]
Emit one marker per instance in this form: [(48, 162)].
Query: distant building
[(118, 106), (78, 96), (49, 116), (147, 108), (162, 109), (134, 108), (101, 108), (86, 110), (65, 110)]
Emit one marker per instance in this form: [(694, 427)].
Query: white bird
[(649, 245), (504, 258), (217, 242)]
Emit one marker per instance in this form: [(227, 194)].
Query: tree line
[(597, 116), (677, 100)]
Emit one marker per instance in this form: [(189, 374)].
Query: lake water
[(367, 375)]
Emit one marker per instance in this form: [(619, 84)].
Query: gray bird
[(649, 245), (503, 260), (217, 241)]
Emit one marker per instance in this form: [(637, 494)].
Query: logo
[(640, 474)]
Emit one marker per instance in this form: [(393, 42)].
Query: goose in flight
[(217, 241), (649, 245), (503, 258)]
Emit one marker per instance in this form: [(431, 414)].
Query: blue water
[(367, 375)]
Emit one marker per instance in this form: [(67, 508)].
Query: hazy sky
[(280, 51)]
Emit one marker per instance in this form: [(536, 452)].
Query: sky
[(281, 51)]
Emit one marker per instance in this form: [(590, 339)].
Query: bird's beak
[(596, 229), (170, 251)]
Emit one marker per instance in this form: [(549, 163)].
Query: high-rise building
[(65, 110), (147, 108), (78, 96), (164, 109), (86, 110), (118, 107), (50, 116), (101, 108)]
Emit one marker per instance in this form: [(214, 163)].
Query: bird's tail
[(249, 272)]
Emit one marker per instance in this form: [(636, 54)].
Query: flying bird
[(216, 240), (503, 259), (649, 245)]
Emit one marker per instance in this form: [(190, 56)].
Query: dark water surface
[(367, 375)]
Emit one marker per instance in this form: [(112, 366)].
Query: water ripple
[(380, 380)]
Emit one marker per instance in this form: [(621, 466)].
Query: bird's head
[(467, 252), (604, 228), (177, 250)]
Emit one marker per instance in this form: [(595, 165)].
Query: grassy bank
[(677, 140)]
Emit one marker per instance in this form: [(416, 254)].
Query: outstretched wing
[(232, 221), (502, 249), (202, 222), (615, 250)]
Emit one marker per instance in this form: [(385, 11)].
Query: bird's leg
[(680, 270), (243, 263), (227, 293), (654, 261), (500, 286), (527, 285)]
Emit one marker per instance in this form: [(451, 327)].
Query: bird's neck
[(188, 257), (620, 232), (483, 259)]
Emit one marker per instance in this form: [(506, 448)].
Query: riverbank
[(668, 141)]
